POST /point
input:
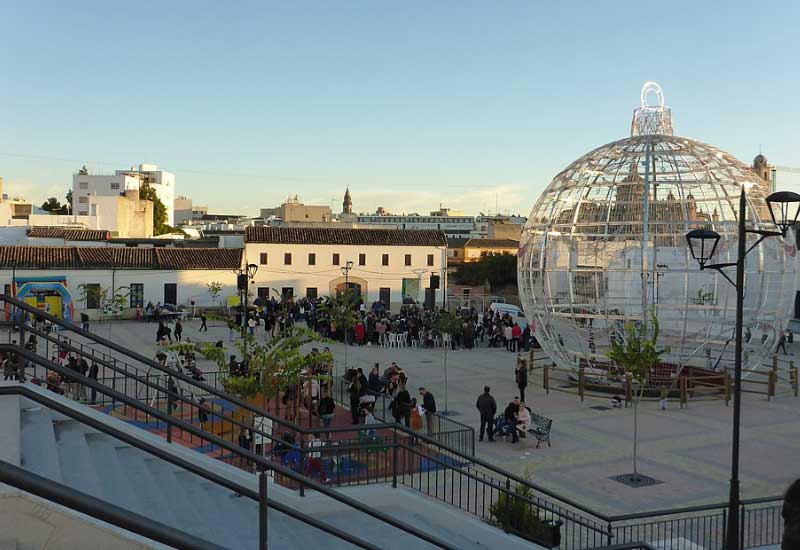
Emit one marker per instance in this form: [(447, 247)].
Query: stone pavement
[(687, 450)]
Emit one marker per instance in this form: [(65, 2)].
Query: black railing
[(237, 453), (446, 431), (397, 454), (76, 500), (133, 440)]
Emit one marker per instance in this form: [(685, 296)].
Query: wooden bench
[(541, 429)]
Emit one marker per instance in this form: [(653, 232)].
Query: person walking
[(487, 407), (85, 322), (429, 404), (521, 376), (203, 326), (401, 406), (93, 372), (507, 337), (178, 330), (782, 342)]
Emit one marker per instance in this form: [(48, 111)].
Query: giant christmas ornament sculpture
[(605, 244)]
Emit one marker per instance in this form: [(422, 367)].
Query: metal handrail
[(61, 494), (626, 546), (131, 439), (689, 509), (397, 428), (215, 440)]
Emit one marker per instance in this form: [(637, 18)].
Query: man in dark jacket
[(487, 407), (511, 413), (521, 375), (429, 404)]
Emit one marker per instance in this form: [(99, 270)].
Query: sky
[(412, 104)]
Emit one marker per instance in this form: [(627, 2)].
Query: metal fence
[(446, 431)]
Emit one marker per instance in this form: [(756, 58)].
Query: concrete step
[(118, 488), (186, 513), (39, 452), (207, 508), (77, 467), (10, 430), (239, 514), (150, 500)]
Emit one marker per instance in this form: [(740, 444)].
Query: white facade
[(291, 268), (85, 185), (451, 226)]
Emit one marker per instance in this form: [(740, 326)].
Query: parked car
[(517, 315)]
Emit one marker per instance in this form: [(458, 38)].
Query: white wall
[(100, 185), (300, 275), (191, 284)]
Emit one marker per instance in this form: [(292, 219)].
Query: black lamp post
[(243, 278), (702, 245), (346, 272)]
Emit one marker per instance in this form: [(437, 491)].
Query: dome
[(605, 244), (760, 159)]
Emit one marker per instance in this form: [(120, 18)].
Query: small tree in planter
[(449, 324), (214, 289), (515, 513), (273, 366), (638, 354)]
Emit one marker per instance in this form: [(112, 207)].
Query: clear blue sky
[(409, 103)]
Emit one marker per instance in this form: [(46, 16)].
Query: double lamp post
[(784, 207), (243, 278)]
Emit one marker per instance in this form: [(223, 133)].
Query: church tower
[(347, 203)]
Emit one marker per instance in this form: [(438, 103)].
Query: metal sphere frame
[(606, 243)]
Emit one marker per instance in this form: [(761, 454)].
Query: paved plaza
[(688, 450)]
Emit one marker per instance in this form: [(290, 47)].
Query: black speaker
[(434, 282), (241, 281)]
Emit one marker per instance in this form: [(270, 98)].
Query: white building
[(452, 224), (387, 264), (86, 185), (52, 277)]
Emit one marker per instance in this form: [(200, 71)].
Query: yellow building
[(475, 249)]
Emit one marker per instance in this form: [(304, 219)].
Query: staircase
[(62, 449)]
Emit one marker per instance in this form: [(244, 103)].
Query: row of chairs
[(401, 339)]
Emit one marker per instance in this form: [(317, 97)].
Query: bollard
[(727, 386), (580, 383), (684, 392), (771, 385), (546, 379)]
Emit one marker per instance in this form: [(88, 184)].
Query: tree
[(110, 301), (160, 226), (638, 353), (499, 270), (274, 366), (452, 325), (52, 205), (68, 205), (214, 289), (341, 310)]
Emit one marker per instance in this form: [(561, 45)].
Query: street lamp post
[(243, 278), (702, 245), (346, 272)]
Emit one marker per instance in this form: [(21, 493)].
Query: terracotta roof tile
[(69, 234), (71, 257), (344, 236)]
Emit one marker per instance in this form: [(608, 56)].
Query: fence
[(446, 431)]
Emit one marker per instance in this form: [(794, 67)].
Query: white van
[(517, 315)]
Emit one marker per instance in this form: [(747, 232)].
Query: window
[(83, 213), (137, 295), (287, 258), (455, 253), (311, 293), (408, 259), (430, 259), (385, 295), (83, 185), (263, 292), (83, 200), (312, 258), (287, 292), (92, 291), (335, 260), (362, 259), (114, 185), (263, 258), (385, 259)]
